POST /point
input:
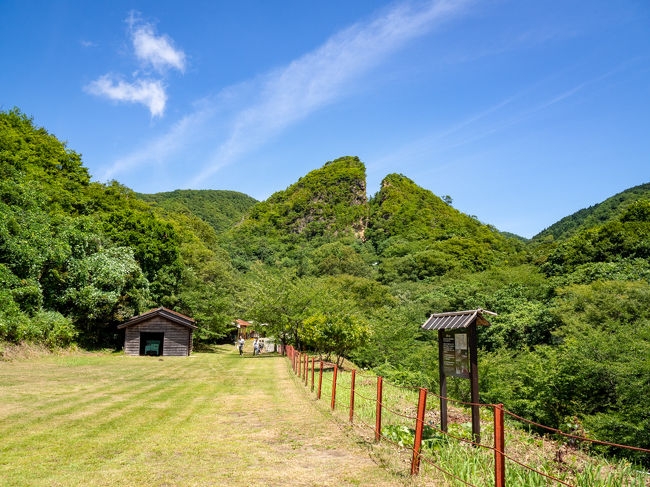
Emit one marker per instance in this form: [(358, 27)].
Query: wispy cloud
[(158, 150), (150, 93), (152, 51), (502, 116), (268, 104), (323, 76), (86, 43), (156, 51)]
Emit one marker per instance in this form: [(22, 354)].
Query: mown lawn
[(211, 419)]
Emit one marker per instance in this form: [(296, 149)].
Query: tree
[(279, 298)]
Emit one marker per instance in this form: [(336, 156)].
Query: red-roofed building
[(245, 329)]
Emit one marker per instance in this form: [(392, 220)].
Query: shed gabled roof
[(167, 313), (457, 319)]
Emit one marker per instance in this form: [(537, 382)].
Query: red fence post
[(499, 448), (352, 381), (336, 368), (378, 415), (320, 378), (306, 369), (299, 363), (419, 427), (312, 374)]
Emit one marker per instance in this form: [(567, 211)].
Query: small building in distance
[(245, 329), (160, 331)]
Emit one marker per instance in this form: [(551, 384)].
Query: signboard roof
[(457, 319)]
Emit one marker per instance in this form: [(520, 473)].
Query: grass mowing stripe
[(136, 424), (93, 444), (156, 413), (116, 385), (58, 419), (47, 453), (68, 405)]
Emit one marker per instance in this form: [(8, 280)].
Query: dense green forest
[(330, 270), (77, 257), (221, 209), (595, 215)]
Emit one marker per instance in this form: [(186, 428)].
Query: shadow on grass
[(215, 349), (263, 356)]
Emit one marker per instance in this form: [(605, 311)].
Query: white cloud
[(150, 93), (156, 51), (159, 149), (152, 50)]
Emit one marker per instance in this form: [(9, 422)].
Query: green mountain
[(326, 205), (595, 215), (327, 201), (620, 246), (418, 235), (221, 209), (406, 231)]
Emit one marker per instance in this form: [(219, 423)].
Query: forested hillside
[(78, 257), (221, 209), (419, 236), (595, 215), (334, 271)]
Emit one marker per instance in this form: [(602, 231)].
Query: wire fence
[(408, 418)]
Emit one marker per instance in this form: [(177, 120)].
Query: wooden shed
[(160, 331)]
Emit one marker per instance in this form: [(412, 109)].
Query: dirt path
[(212, 419), (287, 439)]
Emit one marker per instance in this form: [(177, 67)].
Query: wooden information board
[(455, 353)]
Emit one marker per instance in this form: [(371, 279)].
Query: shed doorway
[(151, 343)]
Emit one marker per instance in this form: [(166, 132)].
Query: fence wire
[(399, 402)]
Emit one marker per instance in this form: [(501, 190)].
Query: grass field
[(211, 419)]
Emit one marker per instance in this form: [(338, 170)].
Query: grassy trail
[(212, 419)]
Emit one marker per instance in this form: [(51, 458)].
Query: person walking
[(241, 345), (256, 347)]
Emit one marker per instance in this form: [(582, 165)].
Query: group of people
[(258, 346)]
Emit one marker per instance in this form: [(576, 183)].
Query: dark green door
[(151, 343)]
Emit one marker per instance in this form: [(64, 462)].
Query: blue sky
[(522, 111)]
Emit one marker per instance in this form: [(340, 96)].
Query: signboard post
[(443, 381), (473, 378)]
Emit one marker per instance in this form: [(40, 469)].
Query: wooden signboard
[(455, 353)]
